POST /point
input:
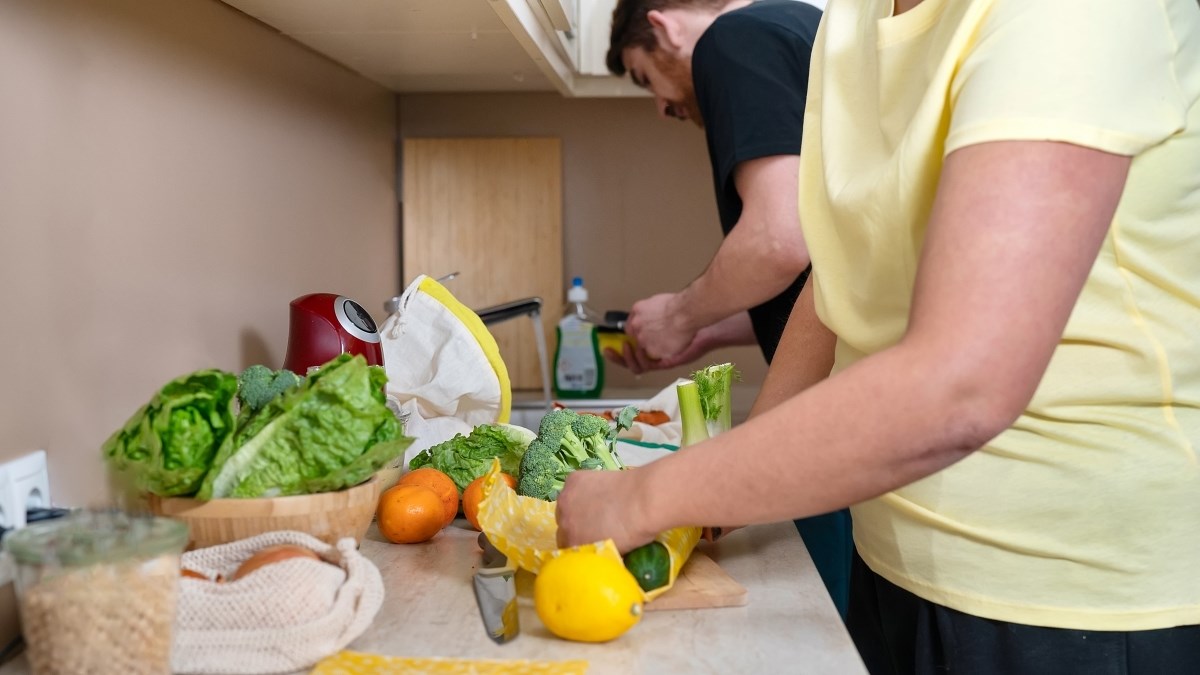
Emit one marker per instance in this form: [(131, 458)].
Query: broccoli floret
[(258, 385), (589, 425), (566, 442), (554, 424), (542, 472), (592, 464)]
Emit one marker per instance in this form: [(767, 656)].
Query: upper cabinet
[(457, 45), (570, 37)]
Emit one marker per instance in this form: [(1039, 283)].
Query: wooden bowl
[(328, 516)]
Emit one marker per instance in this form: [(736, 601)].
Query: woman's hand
[(598, 505)]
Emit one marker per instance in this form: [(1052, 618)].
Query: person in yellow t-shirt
[(997, 362)]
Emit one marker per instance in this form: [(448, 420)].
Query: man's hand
[(657, 326), (636, 360), (733, 331)]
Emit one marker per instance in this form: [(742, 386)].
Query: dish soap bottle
[(578, 368)]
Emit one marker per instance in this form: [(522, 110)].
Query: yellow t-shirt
[(1086, 513)]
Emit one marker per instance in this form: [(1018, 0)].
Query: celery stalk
[(691, 414)]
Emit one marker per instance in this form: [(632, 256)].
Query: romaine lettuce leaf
[(324, 433), (168, 445)]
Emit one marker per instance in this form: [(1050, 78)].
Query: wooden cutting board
[(702, 584)]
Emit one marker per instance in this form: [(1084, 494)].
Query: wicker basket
[(328, 516)]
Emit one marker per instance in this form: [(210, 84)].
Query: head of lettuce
[(331, 432)]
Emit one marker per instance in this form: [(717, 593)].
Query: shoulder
[(768, 19)]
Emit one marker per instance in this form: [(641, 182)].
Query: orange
[(440, 483), (408, 514), (474, 493)]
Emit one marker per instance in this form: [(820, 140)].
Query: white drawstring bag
[(444, 367), (281, 618)]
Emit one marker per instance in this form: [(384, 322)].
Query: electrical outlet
[(24, 484)]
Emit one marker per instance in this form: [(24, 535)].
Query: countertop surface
[(789, 624)]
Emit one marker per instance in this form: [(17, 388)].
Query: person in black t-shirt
[(739, 70)]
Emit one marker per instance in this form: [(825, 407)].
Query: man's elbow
[(788, 253)]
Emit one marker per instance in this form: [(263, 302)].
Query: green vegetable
[(259, 385), (566, 442), (329, 433), (542, 472), (714, 385), (382, 449), (169, 443), (465, 458), (650, 565), (691, 414)]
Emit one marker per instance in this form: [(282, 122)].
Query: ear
[(668, 31)]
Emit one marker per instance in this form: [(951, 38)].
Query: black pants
[(898, 633)]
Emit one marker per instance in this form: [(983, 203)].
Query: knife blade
[(496, 595)]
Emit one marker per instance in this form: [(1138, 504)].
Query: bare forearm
[(748, 270), (764, 252), (840, 442), (733, 331)]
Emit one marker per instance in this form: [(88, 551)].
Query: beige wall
[(640, 216), (172, 174)]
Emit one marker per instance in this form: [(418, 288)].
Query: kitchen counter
[(789, 623)]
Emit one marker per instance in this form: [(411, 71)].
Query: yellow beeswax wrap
[(524, 529), (355, 663)]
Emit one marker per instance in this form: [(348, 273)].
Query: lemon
[(587, 597)]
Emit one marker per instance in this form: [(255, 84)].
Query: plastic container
[(97, 592), (578, 367)]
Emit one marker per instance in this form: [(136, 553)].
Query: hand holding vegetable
[(599, 505)]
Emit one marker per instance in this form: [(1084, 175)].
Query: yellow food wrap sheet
[(524, 529), (355, 663)]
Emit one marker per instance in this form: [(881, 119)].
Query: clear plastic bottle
[(578, 368)]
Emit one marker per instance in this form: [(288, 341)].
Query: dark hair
[(631, 28)]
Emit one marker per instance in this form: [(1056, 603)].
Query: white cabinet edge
[(573, 62)]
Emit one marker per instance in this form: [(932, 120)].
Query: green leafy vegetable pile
[(465, 458), (323, 433)]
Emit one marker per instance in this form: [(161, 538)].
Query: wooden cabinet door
[(490, 209)]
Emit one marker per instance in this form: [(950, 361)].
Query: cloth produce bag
[(444, 369), (281, 618)]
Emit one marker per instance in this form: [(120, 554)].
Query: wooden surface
[(702, 584), (490, 209), (327, 516)]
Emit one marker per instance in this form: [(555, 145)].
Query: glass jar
[(97, 592)]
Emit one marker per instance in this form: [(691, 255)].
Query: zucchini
[(650, 565)]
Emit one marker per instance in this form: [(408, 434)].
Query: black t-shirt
[(750, 71)]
